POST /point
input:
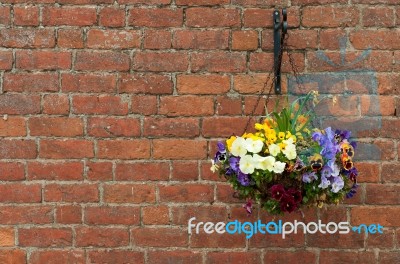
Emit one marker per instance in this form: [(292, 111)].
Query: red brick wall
[(111, 110)]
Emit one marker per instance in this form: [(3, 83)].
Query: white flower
[(290, 152), (279, 167), (337, 185), (266, 163), (288, 141), (247, 164), (214, 167), (238, 148), (254, 146), (274, 149)]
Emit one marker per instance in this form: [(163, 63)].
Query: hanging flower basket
[(287, 164)]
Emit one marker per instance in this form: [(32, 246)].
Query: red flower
[(277, 191), (288, 203), (296, 194)]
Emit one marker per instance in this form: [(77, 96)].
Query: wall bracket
[(280, 29)]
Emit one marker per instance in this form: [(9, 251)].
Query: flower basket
[(286, 164)]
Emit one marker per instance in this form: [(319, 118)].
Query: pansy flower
[(277, 191)]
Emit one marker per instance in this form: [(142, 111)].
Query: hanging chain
[(273, 71)]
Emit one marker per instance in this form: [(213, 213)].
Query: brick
[(225, 194), (7, 237), (69, 16), (345, 106), (321, 2), (255, 17), (203, 84), (19, 104), (99, 171), (157, 39), (263, 61), (5, 15), (129, 193), (373, 105), (30, 82), (345, 241), (26, 16), (43, 60), (155, 215), (218, 61), (171, 127), (17, 149), (245, 40), (160, 257), (101, 104), (113, 127), (157, 18), (27, 38), (390, 173), (102, 60), (386, 84), (383, 241), (12, 127), (202, 40), (215, 240), (84, 2), (368, 172), (57, 256), (236, 257), (251, 83), (88, 83), (326, 16), (182, 214), (330, 257), (45, 237), (55, 171), (13, 255), (106, 215), (6, 60), (378, 17), (21, 193), (226, 105), (145, 84), (55, 104), (144, 104), (302, 39), (66, 149), (69, 214), (11, 215), (101, 237), (223, 126), (172, 149), (292, 257), (159, 237), (145, 2), (123, 149), (142, 171), (201, 2), (116, 256), (112, 17), (377, 60), (375, 39), (80, 193), (12, 171), (328, 38), (186, 193), (212, 17), (161, 62), (389, 257), (186, 105), (390, 128), (382, 194), (70, 38), (56, 126), (383, 215), (207, 174), (184, 171), (113, 39)]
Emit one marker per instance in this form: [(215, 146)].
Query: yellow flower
[(229, 142), (281, 135), (302, 119), (282, 146), (247, 135), (258, 126), (294, 138), (288, 134)]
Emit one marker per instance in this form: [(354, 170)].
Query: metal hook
[(278, 38)]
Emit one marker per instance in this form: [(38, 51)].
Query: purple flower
[(316, 136), (277, 191), (234, 164), (248, 206), (298, 165), (345, 134), (243, 179), (220, 156), (221, 147), (309, 177), (337, 184), (324, 183), (352, 191)]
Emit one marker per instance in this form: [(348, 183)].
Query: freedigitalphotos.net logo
[(279, 227)]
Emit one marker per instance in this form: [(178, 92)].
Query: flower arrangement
[(286, 164)]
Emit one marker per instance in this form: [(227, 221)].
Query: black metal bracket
[(280, 29)]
